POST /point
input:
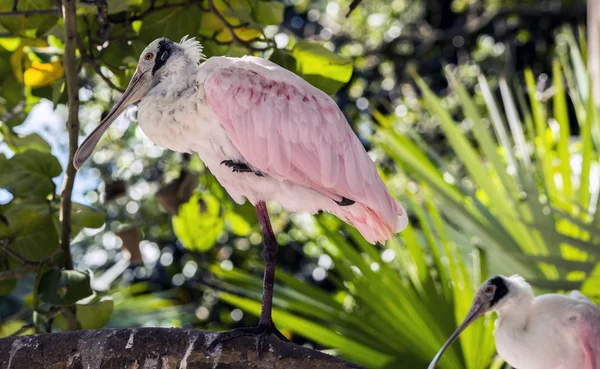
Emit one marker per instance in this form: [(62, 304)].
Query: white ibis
[(266, 135), (545, 332)]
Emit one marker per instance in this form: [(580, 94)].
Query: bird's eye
[(149, 56), (489, 290)]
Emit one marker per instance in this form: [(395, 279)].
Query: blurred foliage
[(476, 112)]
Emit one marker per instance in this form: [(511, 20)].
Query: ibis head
[(160, 58), (492, 295)]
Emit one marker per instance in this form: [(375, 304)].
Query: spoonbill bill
[(266, 135), (545, 332)]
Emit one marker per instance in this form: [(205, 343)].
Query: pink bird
[(266, 135), (545, 332)]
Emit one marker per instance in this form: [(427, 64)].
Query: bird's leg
[(240, 167), (265, 327), (270, 257)]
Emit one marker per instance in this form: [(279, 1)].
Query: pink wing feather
[(588, 326), (292, 131)]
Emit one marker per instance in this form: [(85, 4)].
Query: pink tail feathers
[(374, 226)]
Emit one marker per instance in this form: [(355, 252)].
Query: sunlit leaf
[(12, 326), (95, 315), (199, 222), (237, 223), (319, 66), (268, 12), (247, 33), (43, 74), (90, 315), (19, 60), (117, 6)]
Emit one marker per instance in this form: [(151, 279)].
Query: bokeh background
[(479, 114)]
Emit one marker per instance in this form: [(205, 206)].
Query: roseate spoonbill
[(545, 332), (265, 134)]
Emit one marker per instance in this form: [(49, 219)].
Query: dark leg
[(265, 327)]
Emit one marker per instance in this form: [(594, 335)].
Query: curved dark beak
[(477, 309), (138, 87)]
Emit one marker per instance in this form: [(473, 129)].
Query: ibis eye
[(149, 56), (489, 290)]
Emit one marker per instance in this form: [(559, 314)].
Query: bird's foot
[(237, 167), (260, 333)]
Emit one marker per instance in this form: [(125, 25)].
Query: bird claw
[(260, 333), (240, 167)]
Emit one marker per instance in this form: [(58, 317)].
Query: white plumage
[(545, 332), (548, 331)]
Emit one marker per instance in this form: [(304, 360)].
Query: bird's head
[(494, 294), (159, 59)]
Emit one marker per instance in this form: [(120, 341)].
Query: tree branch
[(146, 348), (98, 71), (17, 273), (17, 256), (72, 125), (18, 109), (17, 13), (90, 59), (70, 62)]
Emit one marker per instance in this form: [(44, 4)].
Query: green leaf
[(210, 24), (199, 222), (237, 223), (10, 327), (32, 25), (118, 6), (235, 12), (6, 286), (4, 228), (284, 59), (85, 216), (321, 67), (57, 91), (4, 66), (268, 12), (29, 173), (90, 315), (170, 23), (32, 228), (591, 285), (95, 315), (64, 287), (30, 142), (11, 90), (562, 116)]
